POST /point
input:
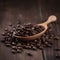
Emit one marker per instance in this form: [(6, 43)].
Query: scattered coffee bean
[(14, 47), (56, 38), (3, 34), (6, 29), (8, 45), (19, 51), (10, 24), (13, 51), (29, 54), (13, 43), (34, 48)]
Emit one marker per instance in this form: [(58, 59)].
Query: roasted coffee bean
[(29, 54), (8, 45), (19, 48), (6, 29), (56, 38), (18, 44), (18, 25), (14, 28), (3, 34), (13, 51), (41, 47), (27, 47), (38, 45), (35, 41), (34, 48), (39, 28), (10, 24), (14, 47), (19, 51), (13, 43)]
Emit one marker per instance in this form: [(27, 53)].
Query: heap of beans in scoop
[(17, 45), (27, 30)]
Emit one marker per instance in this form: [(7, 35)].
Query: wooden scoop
[(51, 18)]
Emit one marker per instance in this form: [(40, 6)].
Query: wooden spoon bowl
[(51, 18)]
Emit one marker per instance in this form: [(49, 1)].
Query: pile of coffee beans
[(27, 30), (17, 45)]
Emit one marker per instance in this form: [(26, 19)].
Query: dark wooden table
[(35, 11)]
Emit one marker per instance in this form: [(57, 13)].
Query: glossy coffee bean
[(29, 54), (6, 29), (13, 43), (13, 51), (56, 38), (40, 47), (18, 44), (19, 51), (19, 48), (8, 45), (14, 47), (3, 34), (34, 48), (10, 24)]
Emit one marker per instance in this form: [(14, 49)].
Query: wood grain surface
[(28, 11)]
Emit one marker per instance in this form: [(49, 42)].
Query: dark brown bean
[(13, 51), (29, 54)]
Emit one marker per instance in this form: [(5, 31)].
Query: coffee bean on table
[(14, 47), (6, 29), (3, 34), (13, 43), (8, 45), (13, 51), (19, 48), (56, 38), (29, 53), (34, 48), (18, 44), (19, 51), (10, 24)]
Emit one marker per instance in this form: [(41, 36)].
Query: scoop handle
[(51, 18)]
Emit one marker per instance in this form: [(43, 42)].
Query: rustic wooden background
[(34, 11)]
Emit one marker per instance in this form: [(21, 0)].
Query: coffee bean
[(18, 44), (19, 51), (34, 48), (10, 24), (37, 45), (27, 47), (8, 45), (13, 43), (40, 47), (14, 47), (3, 34), (56, 38), (19, 48), (6, 29), (29, 54), (13, 51)]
